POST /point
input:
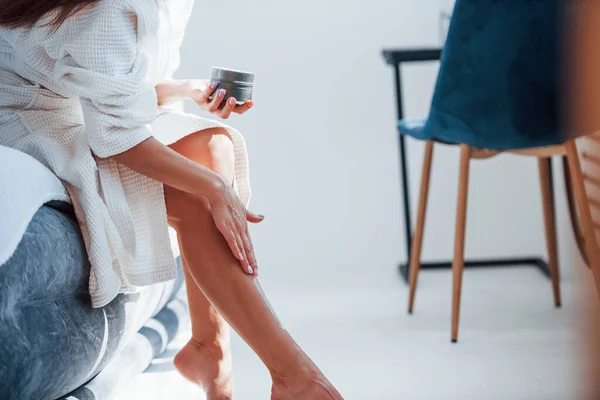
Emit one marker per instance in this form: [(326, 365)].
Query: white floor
[(513, 343)]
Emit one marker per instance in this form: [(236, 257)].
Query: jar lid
[(231, 75)]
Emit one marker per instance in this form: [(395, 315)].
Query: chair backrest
[(589, 151), (499, 79)]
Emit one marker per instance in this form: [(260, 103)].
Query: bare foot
[(208, 366), (312, 386)]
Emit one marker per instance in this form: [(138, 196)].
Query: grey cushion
[(51, 340)]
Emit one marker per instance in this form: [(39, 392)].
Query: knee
[(212, 148), (220, 150)]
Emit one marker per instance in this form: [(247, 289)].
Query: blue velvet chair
[(498, 90)]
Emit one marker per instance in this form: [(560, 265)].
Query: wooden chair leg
[(585, 214), (550, 226), (458, 262), (417, 241)]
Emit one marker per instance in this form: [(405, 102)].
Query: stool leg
[(415, 254), (585, 214), (458, 262), (550, 226)]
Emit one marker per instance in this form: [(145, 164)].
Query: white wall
[(323, 143)]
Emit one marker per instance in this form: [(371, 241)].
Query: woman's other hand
[(231, 219), (200, 91), (201, 95)]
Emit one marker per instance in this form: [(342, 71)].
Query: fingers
[(249, 249), (213, 106), (226, 111), (254, 218), (247, 240), (201, 96), (245, 261), (235, 244), (244, 107), (238, 243)]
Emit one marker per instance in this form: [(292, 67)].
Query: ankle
[(291, 377), (210, 348), (212, 330), (213, 338), (308, 383)]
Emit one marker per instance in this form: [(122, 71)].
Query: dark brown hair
[(26, 13)]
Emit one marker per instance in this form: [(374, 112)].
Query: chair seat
[(444, 128), (51, 340), (415, 128)]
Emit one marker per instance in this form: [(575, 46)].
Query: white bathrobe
[(89, 89)]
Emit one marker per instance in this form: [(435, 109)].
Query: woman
[(85, 87)]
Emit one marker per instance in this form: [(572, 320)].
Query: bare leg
[(234, 294), (206, 358)]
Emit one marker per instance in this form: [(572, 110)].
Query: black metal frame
[(395, 57)]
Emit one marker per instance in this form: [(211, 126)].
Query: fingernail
[(260, 216), (222, 93), (214, 85), (250, 270), (250, 104), (256, 273), (232, 101), (240, 256)]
